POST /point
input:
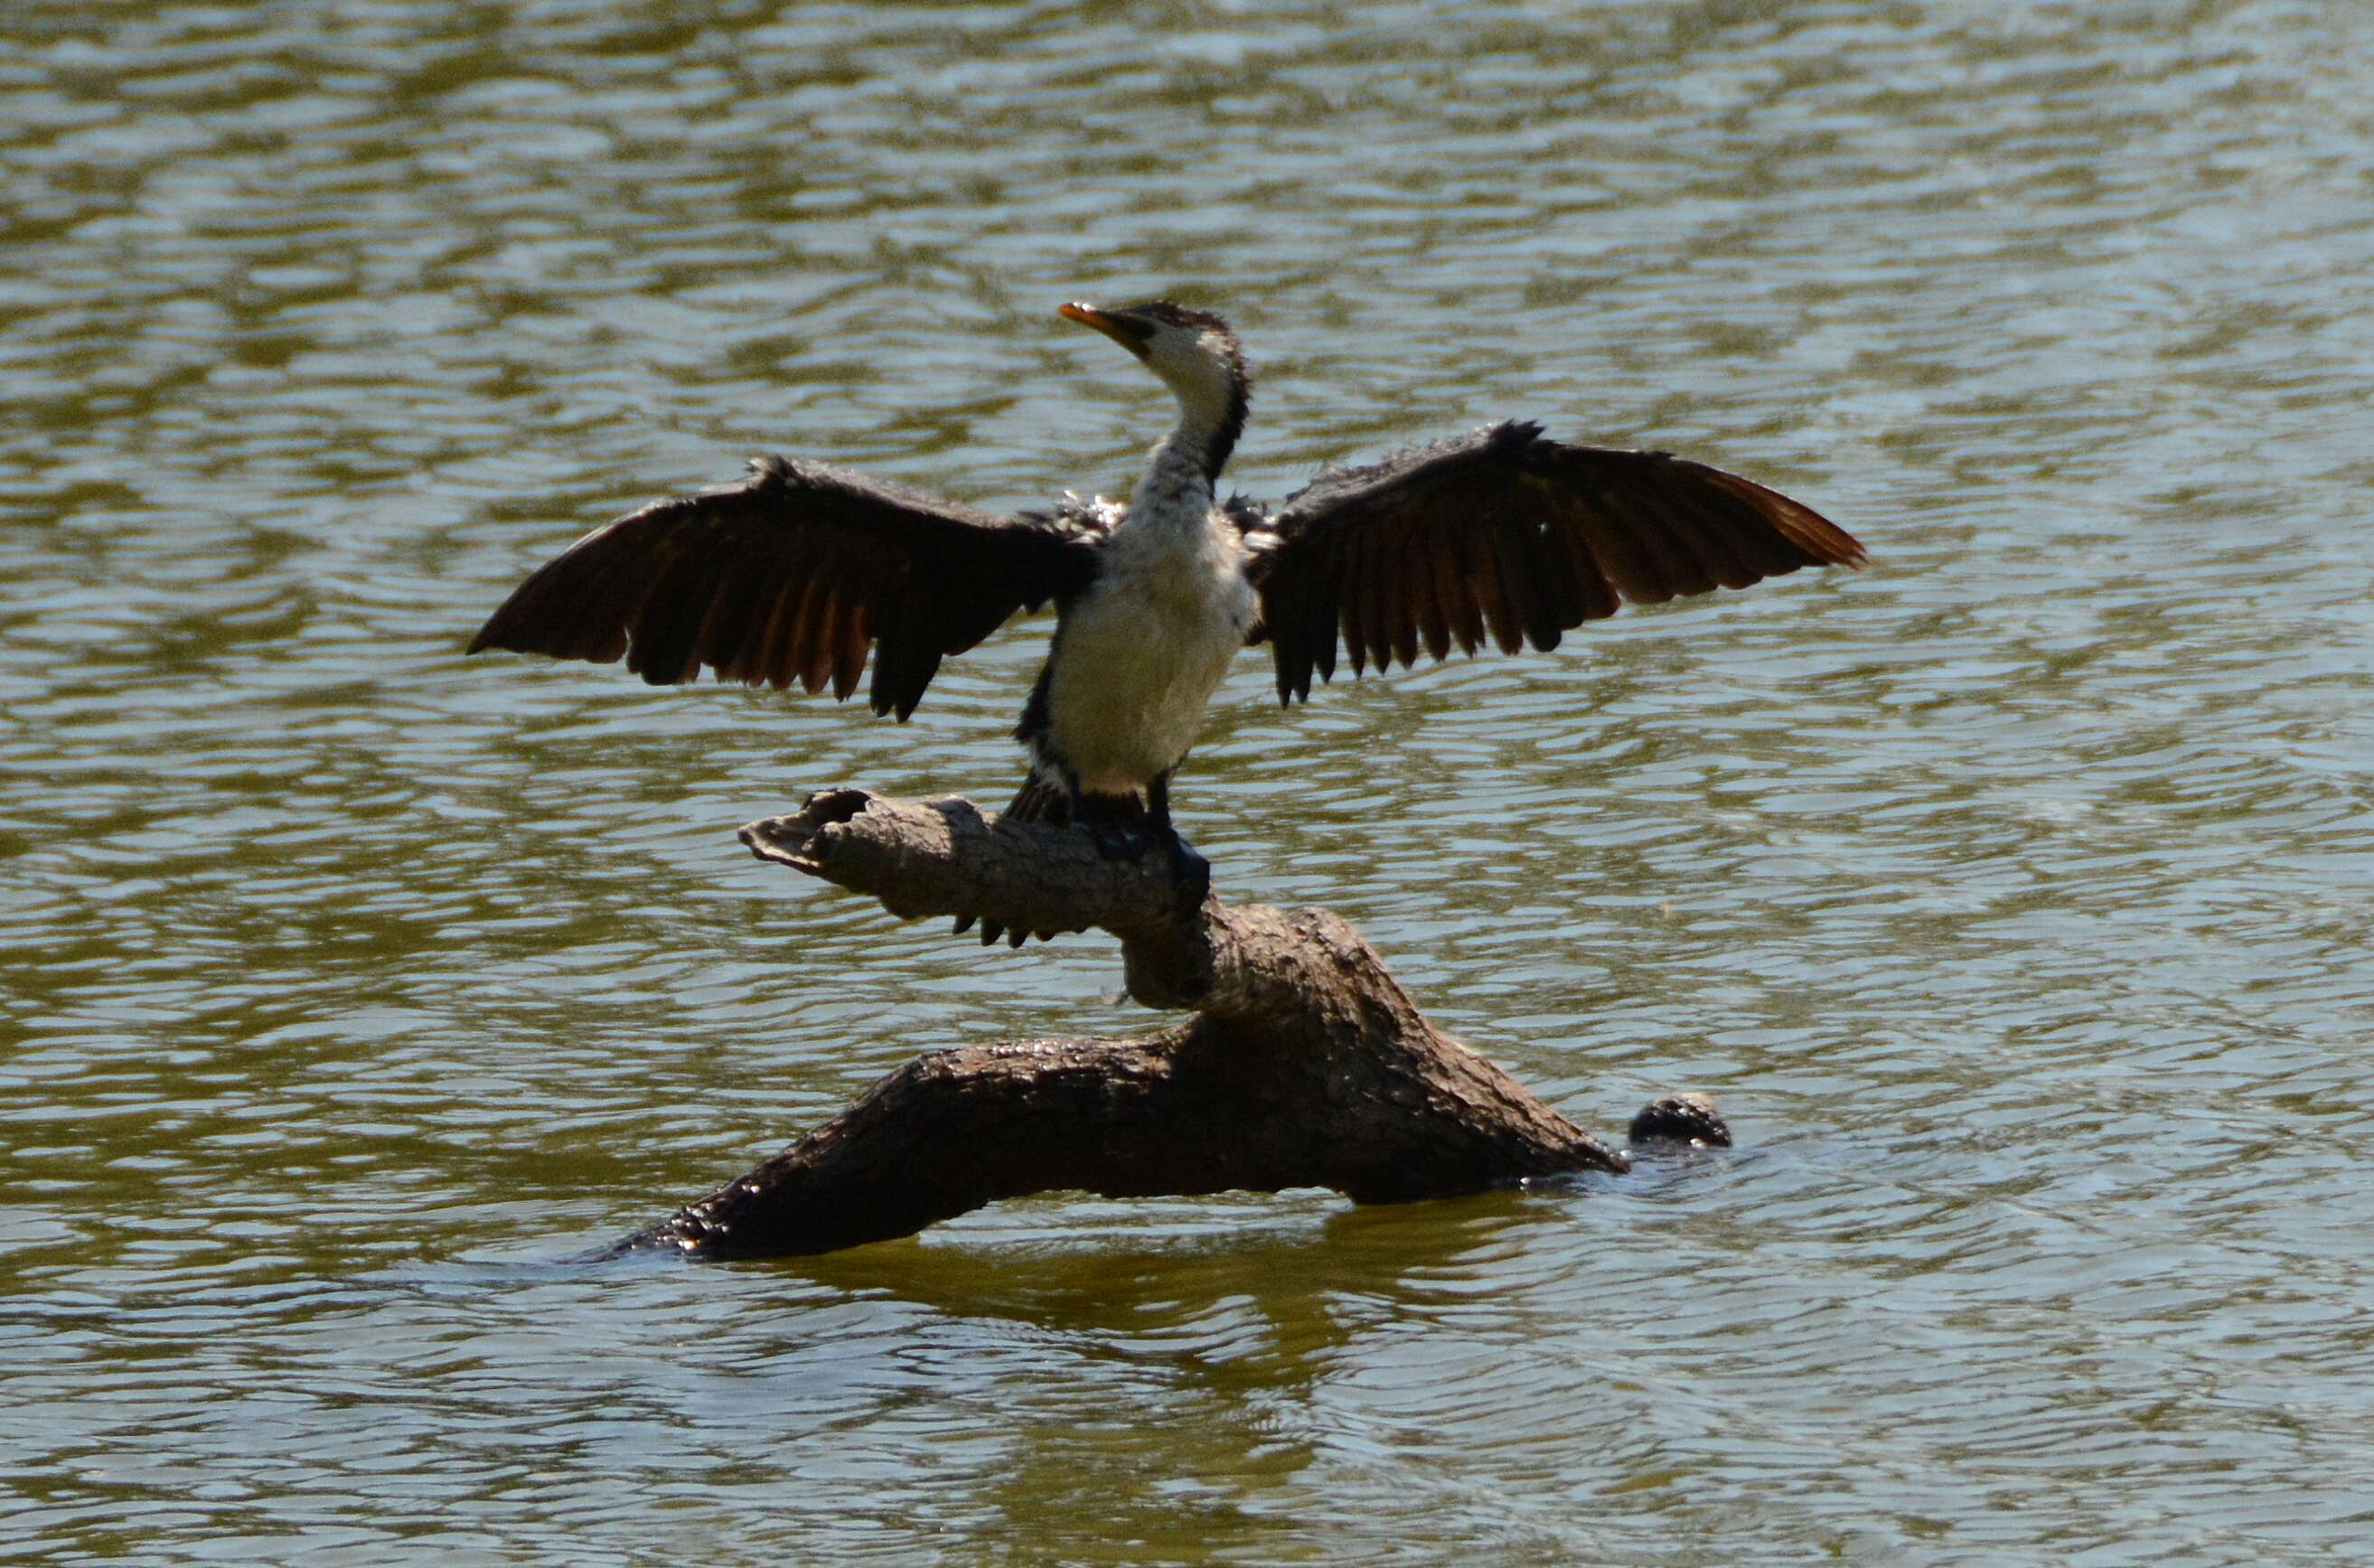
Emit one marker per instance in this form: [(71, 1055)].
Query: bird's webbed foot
[(1191, 874), (1116, 841)]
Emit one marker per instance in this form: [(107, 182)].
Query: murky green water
[(2011, 896)]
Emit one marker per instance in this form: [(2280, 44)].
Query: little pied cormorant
[(796, 572)]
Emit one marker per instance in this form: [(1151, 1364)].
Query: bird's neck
[(1184, 464), (1212, 402), (1177, 482)]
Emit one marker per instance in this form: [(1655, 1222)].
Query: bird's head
[(1194, 352)]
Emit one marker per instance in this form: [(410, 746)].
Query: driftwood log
[(1302, 1065)]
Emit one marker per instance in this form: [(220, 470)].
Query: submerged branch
[(1304, 1063)]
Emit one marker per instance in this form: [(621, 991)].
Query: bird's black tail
[(1038, 801), (1041, 801)]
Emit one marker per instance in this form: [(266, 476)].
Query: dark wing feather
[(793, 574), (1505, 536)]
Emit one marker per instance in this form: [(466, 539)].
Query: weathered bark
[(1304, 1064)]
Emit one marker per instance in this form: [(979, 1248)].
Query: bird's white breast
[(1146, 646)]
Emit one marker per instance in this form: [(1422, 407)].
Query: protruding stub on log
[(1304, 1064), (1688, 1119)]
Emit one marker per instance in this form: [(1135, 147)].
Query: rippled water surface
[(2011, 895)]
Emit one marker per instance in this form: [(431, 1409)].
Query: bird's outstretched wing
[(792, 574), (1502, 531)]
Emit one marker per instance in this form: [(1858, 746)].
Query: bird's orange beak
[(1119, 328)]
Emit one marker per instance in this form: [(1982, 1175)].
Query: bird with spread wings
[(799, 572)]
